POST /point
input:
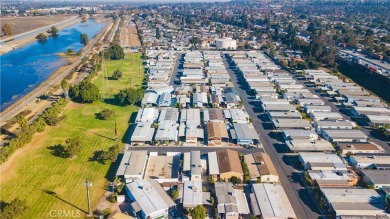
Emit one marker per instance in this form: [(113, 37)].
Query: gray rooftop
[(133, 163), (150, 196)]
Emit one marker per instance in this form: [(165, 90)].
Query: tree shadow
[(98, 156), (61, 199), (98, 134), (111, 172), (129, 132), (58, 151), (132, 118), (110, 78), (99, 116)]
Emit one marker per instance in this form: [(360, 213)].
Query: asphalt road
[(300, 198), (176, 69)]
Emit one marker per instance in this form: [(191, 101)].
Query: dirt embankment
[(11, 45)]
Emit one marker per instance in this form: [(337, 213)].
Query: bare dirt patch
[(24, 24)]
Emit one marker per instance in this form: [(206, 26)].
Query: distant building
[(226, 43)]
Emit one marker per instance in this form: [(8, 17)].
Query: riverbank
[(14, 44), (62, 176), (28, 101)]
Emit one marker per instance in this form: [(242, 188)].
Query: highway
[(290, 177)]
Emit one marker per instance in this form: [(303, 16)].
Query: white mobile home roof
[(272, 201), (133, 163), (213, 163), (187, 162), (190, 116), (192, 193), (150, 196), (147, 115), (142, 132)]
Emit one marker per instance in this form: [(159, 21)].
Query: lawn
[(50, 184), (132, 70)]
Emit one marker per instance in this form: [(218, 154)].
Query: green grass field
[(51, 183)]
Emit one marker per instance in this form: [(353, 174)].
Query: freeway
[(290, 177)]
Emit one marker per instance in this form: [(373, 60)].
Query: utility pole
[(139, 70), (116, 130), (88, 184)]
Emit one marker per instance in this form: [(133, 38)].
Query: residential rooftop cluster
[(213, 180)]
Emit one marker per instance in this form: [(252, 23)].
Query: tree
[(195, 41), (129, 96), (114, 52), (72, 146), (111, 153), (106, 114), (199, 212), (234, 180), (175, 194), (53, 31), (65, 88), (15, 208), (158, 34), (41, 37), (85, 92), (84, 39), (7, 29), (117, 74), (106, 212), (70, 51)]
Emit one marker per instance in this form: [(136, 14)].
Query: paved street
[(176, 69), (301, 199)]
